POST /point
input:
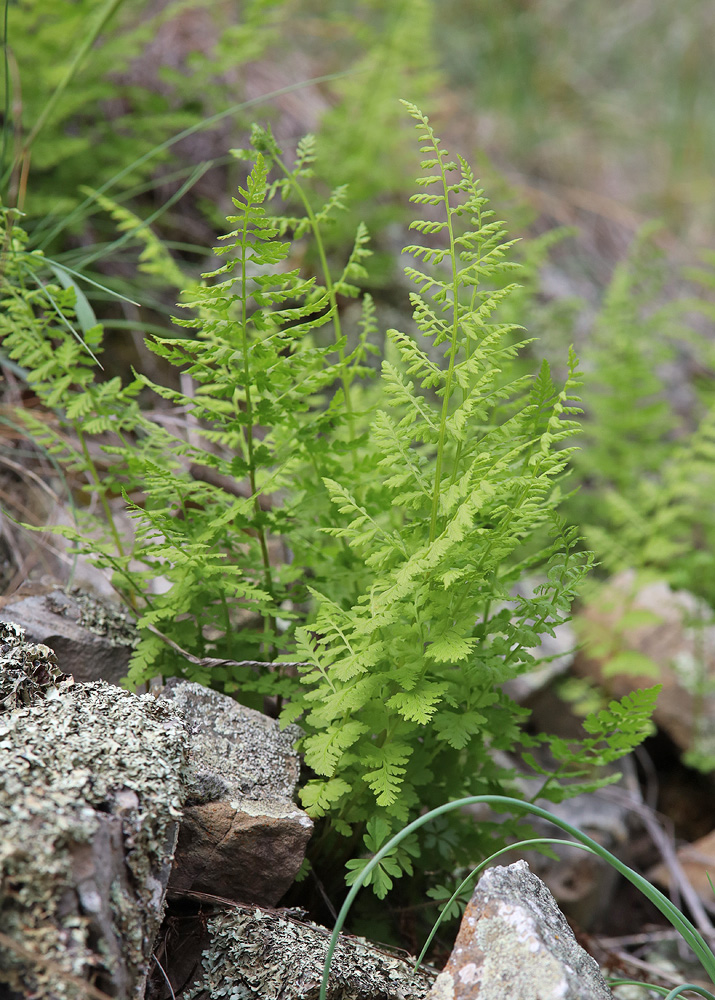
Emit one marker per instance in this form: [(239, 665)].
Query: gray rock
[(514, 942), (242, 837), (253, 953), (92, 640), (90, 798)]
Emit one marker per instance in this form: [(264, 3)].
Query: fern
[(633, 343), (613, 732), (38, 331), (646, 470), (411, 673), (349, 551), (256, 371)]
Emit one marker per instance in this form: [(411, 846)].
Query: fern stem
[(269, 618), (469, 350), (92, 469), (329, 287), (452, 355)]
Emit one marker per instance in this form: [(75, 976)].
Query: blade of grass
[(83, 277), (63, 318), (475, 871), (128, 195), (679, 990), (6, 106), (104, 16), (195, 175)]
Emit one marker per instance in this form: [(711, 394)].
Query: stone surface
[(90, 796), (253, 953), (637, 635), (514, 942), (28, 671), (92, 640), (242, 837)]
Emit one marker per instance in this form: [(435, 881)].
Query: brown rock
[(514, 942), (242, 837), (698, 863), (247, 850)]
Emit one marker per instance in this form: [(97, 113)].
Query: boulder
[(90, 799), (254, 953), (514, 942), (28, 671), (242, 837), (92, 639)]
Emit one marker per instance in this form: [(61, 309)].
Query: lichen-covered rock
[(253, 953), (90, 798), (242, 837), (92, 640), (514, 942), (28, 671)]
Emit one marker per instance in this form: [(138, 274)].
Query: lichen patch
[(258, 953), (94, 761)]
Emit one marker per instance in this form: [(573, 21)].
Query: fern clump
[(258, 373), (351, 551)]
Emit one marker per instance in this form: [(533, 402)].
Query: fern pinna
[(403, 703)]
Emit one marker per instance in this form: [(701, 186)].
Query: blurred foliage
[(114, 110), (612, 97)]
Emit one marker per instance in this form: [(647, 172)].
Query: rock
[(638, 635), (253, 953), (514, 942), (28, 671), (242, 837), (92, 639), (90, 797)]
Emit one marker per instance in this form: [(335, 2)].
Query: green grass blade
[(476, 871)]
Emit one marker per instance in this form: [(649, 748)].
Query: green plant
[(646, 470), (347, 550), (95, 124)]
